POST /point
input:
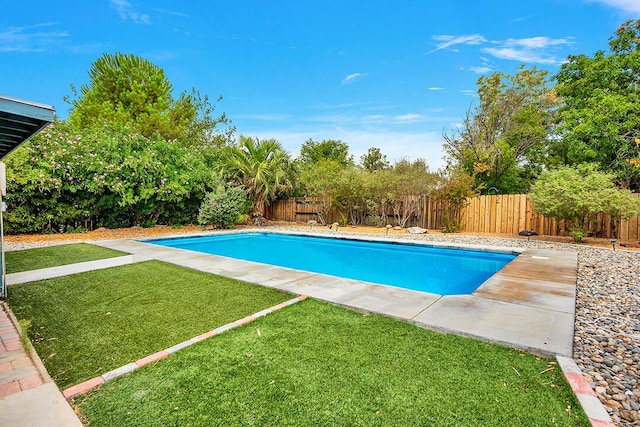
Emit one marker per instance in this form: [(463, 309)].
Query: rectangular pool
[(407, 265)]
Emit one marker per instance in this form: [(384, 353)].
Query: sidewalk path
[(65, 270)]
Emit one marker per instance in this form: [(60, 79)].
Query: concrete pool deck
[(529, 304)]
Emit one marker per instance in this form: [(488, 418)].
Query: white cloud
[(31, 38), (522, 55), (448, 41), (436, 88), (468, 92), (536, 42), (161, 56), (482, 69), (408, 118), (538, 50), (358, 120), (352, 78), (626, 5), (171, 12), (87, 48), (126, 12)]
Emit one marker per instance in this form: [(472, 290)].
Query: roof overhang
[(20, 120)]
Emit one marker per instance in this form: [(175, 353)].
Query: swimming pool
[(407, 265)]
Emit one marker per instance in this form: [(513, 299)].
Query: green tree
[(502, 141), (132, 91), (320, 181), (409, 180), (312, 152), (350, 196), (380, 186), (572, 194), (374, 160), (263, 168), (599, 120), (454, 188)]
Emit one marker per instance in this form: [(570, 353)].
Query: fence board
[(498, 225), (495, 214)]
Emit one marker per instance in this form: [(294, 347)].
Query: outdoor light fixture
[(613, 243), (528, 233), (312, 223), (388, 227)]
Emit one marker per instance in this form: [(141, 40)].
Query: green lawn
[(314, 364), (52, 256), (87, 324), (310, 364)]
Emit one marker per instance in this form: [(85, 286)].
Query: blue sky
[(388, 74)]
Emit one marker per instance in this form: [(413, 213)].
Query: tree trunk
[(258, 205)]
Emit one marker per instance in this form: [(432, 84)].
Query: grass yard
[(310, 364), (317, 364), (52, 256), (87, 324)]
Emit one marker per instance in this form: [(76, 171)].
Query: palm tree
[(263, 168)]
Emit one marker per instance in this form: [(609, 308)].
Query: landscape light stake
[(613, 244)]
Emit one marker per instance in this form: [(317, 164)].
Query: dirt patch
[(103, 234)]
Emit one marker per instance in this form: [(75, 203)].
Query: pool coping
[(529, 304)]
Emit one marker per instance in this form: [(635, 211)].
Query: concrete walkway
[(530, 304), (65, 270)]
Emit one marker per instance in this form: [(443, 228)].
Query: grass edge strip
[(591, 405), (86, 386)]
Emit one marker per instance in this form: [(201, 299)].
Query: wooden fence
[(497, 214)]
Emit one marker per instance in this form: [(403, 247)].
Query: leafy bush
[(450, 225), (455, 188), (111, 176), (224, 207), (577, 234), (572, 194)]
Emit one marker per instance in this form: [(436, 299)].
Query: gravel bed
[(607, 324), (20, 246)]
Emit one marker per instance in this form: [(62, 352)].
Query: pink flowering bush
[(108, 176)]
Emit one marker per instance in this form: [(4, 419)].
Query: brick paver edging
[(590, 403), (88, 385)]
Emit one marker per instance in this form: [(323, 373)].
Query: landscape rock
[(416, 230)]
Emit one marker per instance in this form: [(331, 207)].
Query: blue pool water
[(411, 266)]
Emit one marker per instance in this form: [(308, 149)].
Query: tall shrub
[(572, 194), (454, 190), (224, 207), (105, 176)]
